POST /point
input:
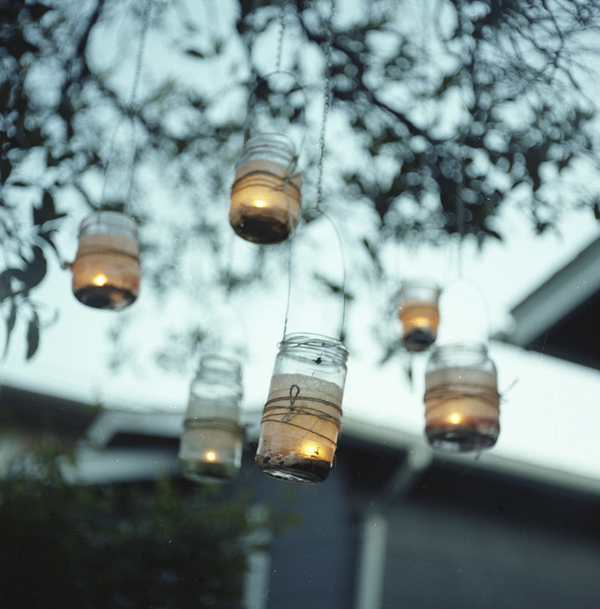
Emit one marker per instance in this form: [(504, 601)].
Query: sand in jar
[(300, 428)]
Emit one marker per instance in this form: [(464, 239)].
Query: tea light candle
[(300, 428), (106, 270)]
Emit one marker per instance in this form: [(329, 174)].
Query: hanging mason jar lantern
[(419, 313), (212, 439), (265, 197), (301, 419), (106, 270), (461, 399)]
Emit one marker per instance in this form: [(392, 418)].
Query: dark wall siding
[(313, 561), (441, 558)]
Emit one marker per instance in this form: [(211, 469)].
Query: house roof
[(133, 445), (155, 435), (36, 412), (560, 317)]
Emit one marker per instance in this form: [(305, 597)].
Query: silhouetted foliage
[(444, 111), (160, 544)]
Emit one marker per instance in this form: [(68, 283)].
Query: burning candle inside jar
[(265, 196), (419, 314), (211, 449), (212, 439), (300, 428), (461, 408), (106, 270)]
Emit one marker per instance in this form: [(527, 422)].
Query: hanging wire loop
[(253, 99), (326, 105), (130, 113)]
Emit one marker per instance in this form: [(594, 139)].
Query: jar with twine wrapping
[(302, 415), (106, 270), (265, 196), (462, 404), (419, 313)]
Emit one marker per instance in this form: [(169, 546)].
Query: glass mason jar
[(419, 313), (302, 415), (106, 270), (265, 196), (461, 398), (212, 439)]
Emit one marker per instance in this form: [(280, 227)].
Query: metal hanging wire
[(130, 113), (317, 208), (259, 80), (326, 105), (281, 34)]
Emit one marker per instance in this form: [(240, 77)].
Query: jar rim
[(219, 363), (474, 347), (428, 284), (219, 357), (280, 139), (113, 219), (315, 341), (269, 143)]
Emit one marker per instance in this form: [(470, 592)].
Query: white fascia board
[(135, 464), (557, 297), (120, 465), (110, 422), (421, 454)]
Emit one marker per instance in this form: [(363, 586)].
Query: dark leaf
[(10, 324), (541, 227), (195, 53), (33, 337), (493, 233), (47, 236), (47, 212), (333, 287), (5, 169), (5, 286), (35, 270), (38, 10)]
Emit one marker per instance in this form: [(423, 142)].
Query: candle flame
[(455, 418), (100, 280), (259, 203), (311, 449), (211, 456), (421, 322)]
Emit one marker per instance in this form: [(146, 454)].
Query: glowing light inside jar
[(265, 201), (310, 449), (211, 456), (298, 443), (461, 409), (420, 321), (106, 270)]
